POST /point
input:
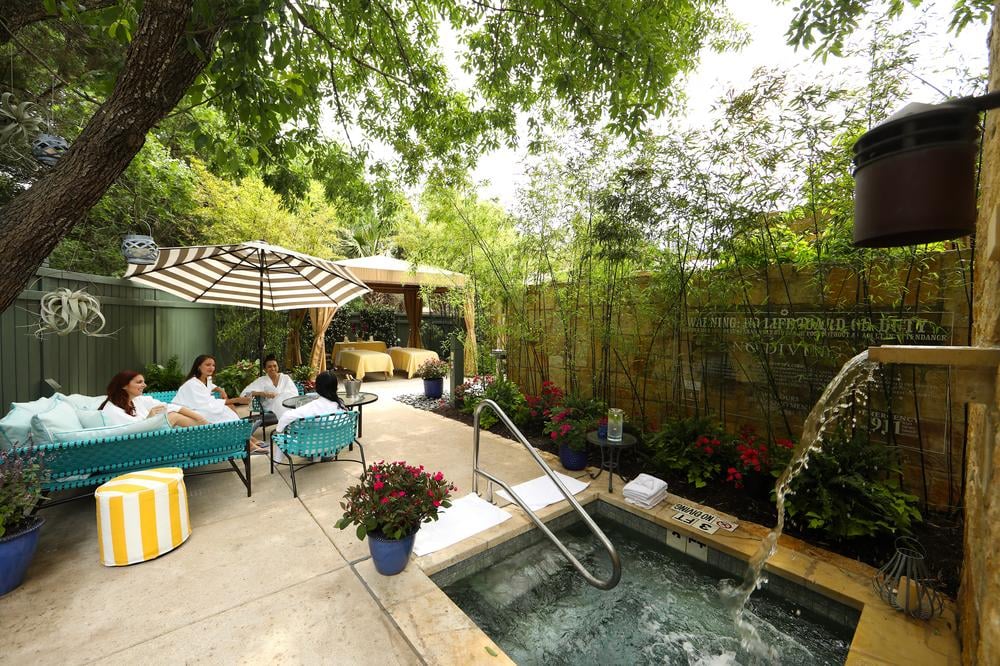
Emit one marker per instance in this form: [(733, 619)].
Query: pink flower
[(565, 428), (436, 503), (439, 477), (379, 485), (555, 435), (385, 500)]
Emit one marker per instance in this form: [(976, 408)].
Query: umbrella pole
[(260, 315)]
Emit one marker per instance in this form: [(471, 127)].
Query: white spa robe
[(285, 389), (315, 408), (199, 397), (115, 415)]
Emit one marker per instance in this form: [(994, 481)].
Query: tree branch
[(20, 13)]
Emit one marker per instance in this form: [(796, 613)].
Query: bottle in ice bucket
[(615, 419)]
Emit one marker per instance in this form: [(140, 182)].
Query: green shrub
[(568, 425), (695, 447), (378, 321), (234, 378), (167, 377), (302, 373), (850, 489), (504, 392)]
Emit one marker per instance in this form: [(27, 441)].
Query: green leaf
[(490, 651)]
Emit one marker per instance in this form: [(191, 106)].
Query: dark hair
[(117, 395), (326, 386), (197, 364), (269, 358)]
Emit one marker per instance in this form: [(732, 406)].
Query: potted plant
[(388, 505), (433, 371), (20, 491), (567, 427)]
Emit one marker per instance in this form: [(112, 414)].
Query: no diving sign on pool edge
[(706, 522)]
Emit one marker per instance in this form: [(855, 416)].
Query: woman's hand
[(159, 409), (222, 393)]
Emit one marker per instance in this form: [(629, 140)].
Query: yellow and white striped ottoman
[(142, 515)]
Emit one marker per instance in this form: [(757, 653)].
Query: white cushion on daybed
[(158, 422), (16, 425), (60, 416)]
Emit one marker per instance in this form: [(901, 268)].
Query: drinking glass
[(615, 419)]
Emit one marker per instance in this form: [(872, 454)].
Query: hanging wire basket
[(903, 582), (140, 248), (48, 148)]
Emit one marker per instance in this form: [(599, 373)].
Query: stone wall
[(979, 597), (761, 356)]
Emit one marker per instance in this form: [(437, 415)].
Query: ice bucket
[(352, 387)]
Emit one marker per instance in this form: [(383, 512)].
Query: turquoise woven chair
[(322, 436), (162, 396)]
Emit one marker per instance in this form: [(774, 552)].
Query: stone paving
[(261, 580)]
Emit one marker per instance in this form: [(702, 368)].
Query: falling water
[(849, 385)]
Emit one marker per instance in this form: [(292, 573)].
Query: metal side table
[(611, 453)]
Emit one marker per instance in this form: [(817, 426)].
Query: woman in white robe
[(198, 393), (127, 404), (326, 403), (272, 388)]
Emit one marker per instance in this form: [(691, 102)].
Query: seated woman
[(326, 403), (272, 388), (126, 403), (197, 393)]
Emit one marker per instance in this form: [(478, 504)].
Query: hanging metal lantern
[(903, 582), (48, 148), (140, 248)]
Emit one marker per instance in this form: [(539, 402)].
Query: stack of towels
[(645, 491)]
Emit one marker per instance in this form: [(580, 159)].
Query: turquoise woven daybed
[(89, 463)]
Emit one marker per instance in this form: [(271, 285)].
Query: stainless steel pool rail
[(616, 564)]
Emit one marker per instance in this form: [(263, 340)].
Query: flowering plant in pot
[(433, 372), (567, 427), (20, 490), (389, 504)]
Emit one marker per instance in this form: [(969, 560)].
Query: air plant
[(19, 123), (64, 311)]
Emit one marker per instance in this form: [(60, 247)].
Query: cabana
[(396, 276)]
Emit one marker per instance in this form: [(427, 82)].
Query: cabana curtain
[(414, 313), (320, 318)]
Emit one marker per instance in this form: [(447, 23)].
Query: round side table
[(611, 453)]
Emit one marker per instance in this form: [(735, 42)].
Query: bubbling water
[(848, 388)]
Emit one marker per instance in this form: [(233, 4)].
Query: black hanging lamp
[(915, 174)]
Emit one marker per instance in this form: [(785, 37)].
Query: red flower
[(378, 485)]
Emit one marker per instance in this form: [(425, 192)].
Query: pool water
[(665, 610)]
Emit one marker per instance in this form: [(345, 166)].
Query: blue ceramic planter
[(390, 555), (572, 460), (16, 551), (434, 387)]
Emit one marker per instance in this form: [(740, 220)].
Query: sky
[(501, 172)]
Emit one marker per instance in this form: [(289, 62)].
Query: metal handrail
[(616, 564)]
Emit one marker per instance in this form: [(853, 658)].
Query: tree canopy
[(268, 67)]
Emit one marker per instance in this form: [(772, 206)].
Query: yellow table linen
[(375, 345), (141, 515), (410, 358), (361, 361)]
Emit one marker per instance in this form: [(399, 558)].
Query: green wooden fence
[(149, 326)]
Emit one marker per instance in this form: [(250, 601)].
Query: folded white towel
[(644, 486), (648, 503)]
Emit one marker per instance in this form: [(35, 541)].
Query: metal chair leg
[(291, 466), (362, 450)]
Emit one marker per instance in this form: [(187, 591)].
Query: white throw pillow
[(90, 418), (14, 428), (158, 422), (59, 417), (89, 402)]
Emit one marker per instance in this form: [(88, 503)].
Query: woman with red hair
[(126, 404)]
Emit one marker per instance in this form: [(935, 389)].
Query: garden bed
[(940, 533)]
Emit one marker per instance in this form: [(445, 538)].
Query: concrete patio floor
[(261, 580)]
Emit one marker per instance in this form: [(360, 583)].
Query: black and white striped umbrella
[(254, 275)]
